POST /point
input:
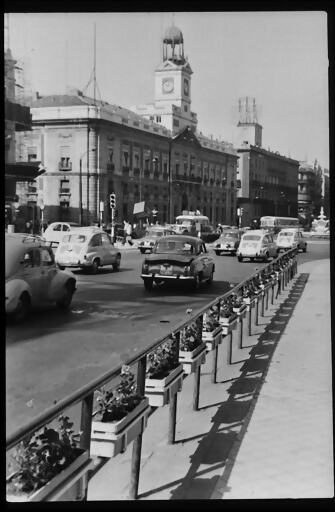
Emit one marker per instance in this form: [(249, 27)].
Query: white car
[(147, 243), (257, 243), (290, 239), (32, 277), (88, 248), (55, 231)]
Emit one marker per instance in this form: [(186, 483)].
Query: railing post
[(272, 292), (262, 308), (249, 307), (267, 298), (240, 328), (215, 365), (137, 444), (85, 439), (256, 311), (230, 348), (196, 388), (172, 418)]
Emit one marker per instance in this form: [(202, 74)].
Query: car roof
[(259, 232), (182, 238), (24, 239), (293, 230)]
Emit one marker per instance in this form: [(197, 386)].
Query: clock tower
[(173, 83)]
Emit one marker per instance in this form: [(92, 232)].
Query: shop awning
[(23, 171)]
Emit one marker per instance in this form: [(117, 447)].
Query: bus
[(275, 224)]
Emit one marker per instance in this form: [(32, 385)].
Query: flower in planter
[(190, 337), (116, 404), (247, 290), (211, 319), (236, 300), (163, 359), (226, 307), (41, 456)]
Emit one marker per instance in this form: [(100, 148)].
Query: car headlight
[(152, 244), (217, 245), (141, 243), (187, 270)]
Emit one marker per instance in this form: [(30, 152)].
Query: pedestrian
[(28, 226), (129, 230)]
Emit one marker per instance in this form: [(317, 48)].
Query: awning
[(23, 171)]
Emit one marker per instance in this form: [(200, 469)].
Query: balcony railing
[(125, 169), (110, 166)]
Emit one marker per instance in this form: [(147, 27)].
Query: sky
[(279, 58)]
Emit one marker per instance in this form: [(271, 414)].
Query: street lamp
[(81, 186)]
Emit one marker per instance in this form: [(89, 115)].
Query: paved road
[(111, 318)]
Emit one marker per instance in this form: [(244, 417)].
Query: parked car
[(178, 258), (228, 242), (257, 243), (88, 248), (56, 230), (291, 238), (147, 243), (32, 277)]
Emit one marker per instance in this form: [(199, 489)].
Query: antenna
[(94, 64)]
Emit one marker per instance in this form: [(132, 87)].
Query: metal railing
[(286, 266)]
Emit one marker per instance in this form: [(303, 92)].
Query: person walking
[(128, 230)]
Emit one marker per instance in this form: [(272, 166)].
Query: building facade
[(309, 192), (91, 148), (268, 181)]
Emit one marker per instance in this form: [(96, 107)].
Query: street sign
[(139, 207), (102, 206)]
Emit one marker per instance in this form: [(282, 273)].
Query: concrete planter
[(68, 485), (241, 311), (212, 338), (249, 301), (228, 323), (108, 439), (159, 391), (193, 358)]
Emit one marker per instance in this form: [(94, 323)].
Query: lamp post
[(81, 186)]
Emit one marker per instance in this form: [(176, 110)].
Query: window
[(125, 158), (175, 122), (57, 227), (158, 119), (96, 241), (105, 239), (46, 257), (185, 108), (32, 154)]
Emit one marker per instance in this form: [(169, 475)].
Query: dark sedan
[(178, 258), (228, 242)]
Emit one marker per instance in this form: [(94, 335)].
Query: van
[(88, 248), (257, 243), (195, 225)]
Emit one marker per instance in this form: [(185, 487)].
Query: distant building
[(268, 181), (309, 192), (92, 148)]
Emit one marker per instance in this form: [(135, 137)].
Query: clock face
[(186, 87), (167, 85)]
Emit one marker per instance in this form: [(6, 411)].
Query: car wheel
[(116, 265), (267, 256), (252, 260), (65, 302), (240, 258), (148, 283), (142, 251), (61, 267), (196, 283), (94, 267), (22, 309), (218, 253), (304, 249)]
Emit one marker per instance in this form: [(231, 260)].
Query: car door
[(204, 260), (95, 249), (48, 271), (107, 249)]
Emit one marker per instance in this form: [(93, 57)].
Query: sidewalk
[(264, 430)]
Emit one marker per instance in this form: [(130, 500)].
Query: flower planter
[(249, 301), (212, 338), (68, 485), (241, 311), (159, 391), (228, 323), (108, 439), (191, 359)]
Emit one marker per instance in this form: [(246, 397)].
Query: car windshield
[(251, 237), (174, 246), (286, 233), (153, 233), (229, 235), (74, 239)]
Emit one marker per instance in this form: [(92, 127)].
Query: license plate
[(166, 270)]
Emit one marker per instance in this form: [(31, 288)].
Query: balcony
[(146, 173), (137, 171), (65, 166), (110, 166), (64, 192), (125, 169)]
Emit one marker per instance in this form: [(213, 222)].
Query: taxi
[(291, 238), (257, 244), (32, 277), (147, 243), (228, 242), (178, 259)]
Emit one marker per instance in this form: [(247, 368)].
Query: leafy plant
[(248, 290), (190, 337), (211, 319), (163, 359), (236, 300), (226, 307), (116, 404), (41, 456)]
